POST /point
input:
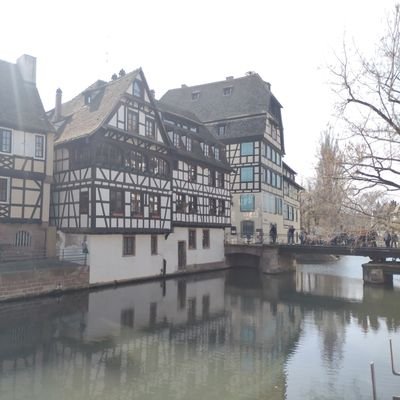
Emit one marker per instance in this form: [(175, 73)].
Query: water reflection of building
[(192, 339)]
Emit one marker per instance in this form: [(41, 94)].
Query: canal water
[(225, 335)]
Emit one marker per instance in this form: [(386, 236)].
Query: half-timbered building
[(201, 195), (26, 163), (245, 115), (113, 183)]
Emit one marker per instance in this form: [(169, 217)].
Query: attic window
[(137, 88), (195, 95), (88, 98), (227, 91), (221, 130)]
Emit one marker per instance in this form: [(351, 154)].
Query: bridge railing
[(313, 240), (257, 238)]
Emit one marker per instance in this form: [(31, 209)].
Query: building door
[(181, 254)]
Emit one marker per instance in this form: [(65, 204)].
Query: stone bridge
[(275, 259)]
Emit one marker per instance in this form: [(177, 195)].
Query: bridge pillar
[(271, 262), (375, 273)]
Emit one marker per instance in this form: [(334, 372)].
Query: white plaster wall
[(107, 263), (169, 248)]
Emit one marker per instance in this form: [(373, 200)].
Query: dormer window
[(206, 148), (176, 140), (189, 144), (227, 91), (221, 130), (88, 98), (138, 88), (195, 95)]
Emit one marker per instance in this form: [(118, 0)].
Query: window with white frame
[(150, 129), (5, 140), (221, 130), (39, 146), (138, 88), (227, 91)]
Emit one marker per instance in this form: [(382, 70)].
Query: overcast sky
[(288, 42)]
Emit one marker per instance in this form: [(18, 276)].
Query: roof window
[(195, 95), (227, 91)]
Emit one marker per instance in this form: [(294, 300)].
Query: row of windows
[(188, 204), (274, 131), (290, 213), (215, 178), (129, 245), (271, 154), (186, 143), (272, 204), (184, 204), (272, 178), (117, 203), (290, 190), (112, 156), (188, 127), (132, 124), (6, 143), (226, 91), (129, 242), (289, 174), (192, 239)]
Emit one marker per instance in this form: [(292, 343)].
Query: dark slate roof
[(20, 104), (80, 119), (240, 128), (203, 134), (181, 114), (250, 95), (169, 108)]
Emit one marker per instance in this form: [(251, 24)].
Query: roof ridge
[(220, 81)]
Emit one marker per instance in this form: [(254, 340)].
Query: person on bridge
[(290, 234), (302, 236), (387, 239), (395, 239), (273, 233)]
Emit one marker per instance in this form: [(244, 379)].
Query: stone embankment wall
[(27, 282)]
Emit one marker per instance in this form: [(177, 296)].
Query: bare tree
[(323, 202), (369, 103)]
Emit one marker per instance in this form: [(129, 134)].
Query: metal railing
[(394, 372), (310, 240), (73, 254), (12, 254)]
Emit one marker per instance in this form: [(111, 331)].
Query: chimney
[(57, 110), (153, 94), (229, 78), (27, 67), (183, 85)]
